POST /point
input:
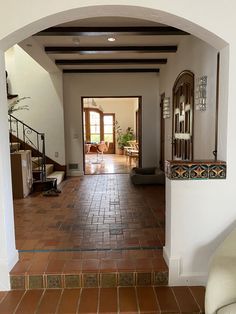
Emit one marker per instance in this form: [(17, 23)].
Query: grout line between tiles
[(176, 299), (137, 302), (98, 304), (118, 299), (93, 249), (3, 298), (19, 302), (40, 300), (59, 301), (78, 303), (200, 311)]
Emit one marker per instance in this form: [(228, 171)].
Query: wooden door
[(182, 129)]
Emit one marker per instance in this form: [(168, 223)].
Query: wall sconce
[(201, 93), (166, 108)]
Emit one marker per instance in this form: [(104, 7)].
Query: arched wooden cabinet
[(182, 129)]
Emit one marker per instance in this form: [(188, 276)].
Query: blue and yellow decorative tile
[(217, 171), (198, 172)]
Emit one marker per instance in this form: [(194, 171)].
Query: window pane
[(108, 119), (108, 138), (108, 129), (94, 117), (95, 129), (95, 138)]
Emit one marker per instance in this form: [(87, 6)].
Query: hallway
[(92, 212)]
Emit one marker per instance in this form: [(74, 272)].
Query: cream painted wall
[(46, 113), (197, 56), (92, 85), (123, 108)]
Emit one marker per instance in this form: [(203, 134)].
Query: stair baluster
[(25, 135)]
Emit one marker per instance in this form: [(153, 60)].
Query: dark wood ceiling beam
[(108, 31), (112, 61), (111, 70), (113, 49)]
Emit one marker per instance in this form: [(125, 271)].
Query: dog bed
[(150, 175)]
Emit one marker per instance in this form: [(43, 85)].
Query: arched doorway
[(46, 17)]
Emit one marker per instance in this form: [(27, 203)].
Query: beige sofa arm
[(221, 284)]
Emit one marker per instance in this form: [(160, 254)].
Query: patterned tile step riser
[(89, 280)]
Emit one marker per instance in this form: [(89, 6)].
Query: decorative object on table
[(201, 93), (123, 138), (166, 108)]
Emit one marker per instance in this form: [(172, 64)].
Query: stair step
[(59, 175), (49, 169), (91, 279), (36, 162), (108, 269)]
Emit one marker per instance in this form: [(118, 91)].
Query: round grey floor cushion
[(150, 175)]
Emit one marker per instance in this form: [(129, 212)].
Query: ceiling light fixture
[(111, 39), (76, 40)]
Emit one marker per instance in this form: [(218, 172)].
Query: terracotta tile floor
[(110, 163), (100, 229), (105, 300), (92, 212)]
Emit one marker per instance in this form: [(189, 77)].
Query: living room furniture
[(221, 285), (150, 175)]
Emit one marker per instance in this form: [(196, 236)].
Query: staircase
[(47, 173)]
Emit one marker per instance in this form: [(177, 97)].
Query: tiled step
[(77, 269), (59, 175), (105, 300)]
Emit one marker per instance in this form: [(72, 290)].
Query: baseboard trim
[(5, 267), (75, 173), (177, 277)]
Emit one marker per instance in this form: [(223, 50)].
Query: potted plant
[(122, 138), (14, 106)]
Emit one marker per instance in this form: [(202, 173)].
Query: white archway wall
[(44, 14), (8, 253), (178, 14)]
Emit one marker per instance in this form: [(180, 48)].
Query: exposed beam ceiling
[(105, 43), (113, 49), (111, 70), (108, 31), (109, 61)]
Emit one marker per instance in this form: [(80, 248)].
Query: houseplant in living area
[(14, 106), (123, 138)]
